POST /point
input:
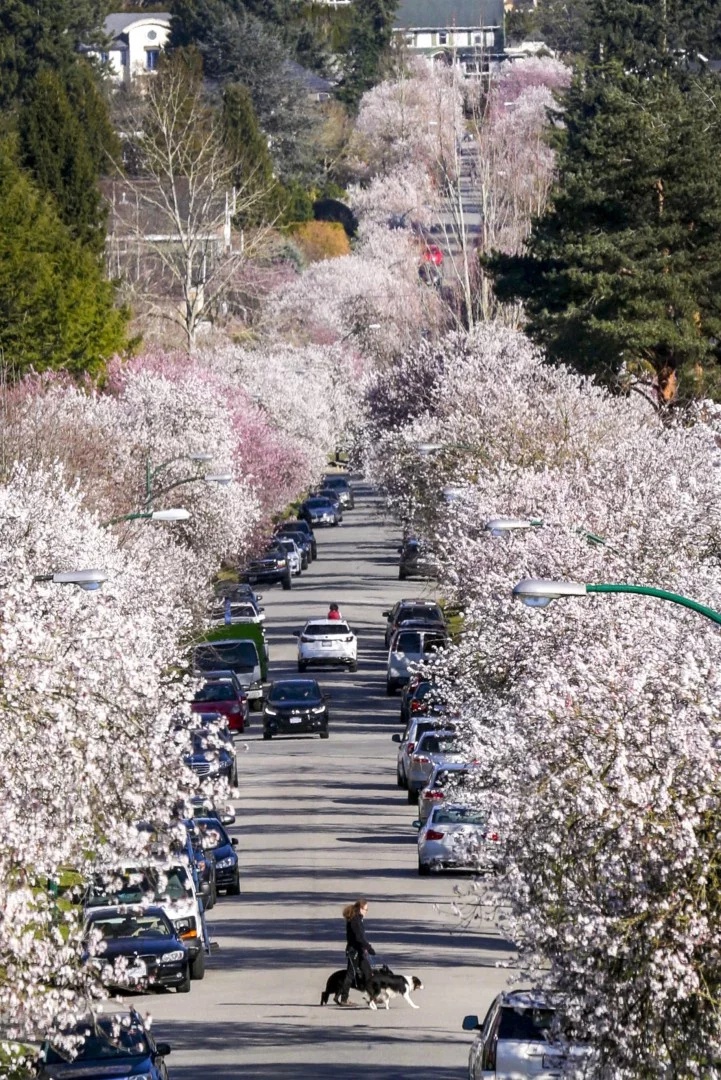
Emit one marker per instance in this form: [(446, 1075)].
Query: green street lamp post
[(537, 592), (152, 473), (172, 514), (504, 526)]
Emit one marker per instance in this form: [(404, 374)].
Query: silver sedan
[(458, 838), (433, 748)]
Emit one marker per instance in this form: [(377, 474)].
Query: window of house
[(410, 40), (443, 37), (104, 57), (478, 39), (151, 59), (152, 35), (123, 57)]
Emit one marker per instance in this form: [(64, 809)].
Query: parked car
[(518, 1039), (230, 612), (327, 641), (433, 748), (332, 496), (238, 655), (295, 707), (446, 782), (211, 756), (339, 483), (167, 883), (416, 726), (225, 697), (303, 542), (317, 510), (415, 560), (115, 1042), (144, 937), (425, 613), (420, 697), (410, 647), (457, 837), (432, 254), (204, 864), (222, 847), (202, 806), (293, 552), (271, 567), (237, 592), (300, 525)]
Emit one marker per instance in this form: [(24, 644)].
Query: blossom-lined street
[(319, 824)]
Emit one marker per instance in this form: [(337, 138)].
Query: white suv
[(295, 558), (327, 641), (410, 647)]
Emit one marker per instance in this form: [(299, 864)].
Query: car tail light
[(415, 705), (433, 834), (306, 639), (411, 747), (235, 707), (493, 836), (433, 795), (422, 760)]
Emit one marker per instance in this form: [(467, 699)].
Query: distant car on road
[(226, 697), (271, 567), (417, 611), (327, 642), (433, 748), (293, 552), (339, 484), (410, 647), (432, 254), (446, 783), (415, 560), (416, 726), (295, 707), (300, 525), (317, 510), (216, 841)]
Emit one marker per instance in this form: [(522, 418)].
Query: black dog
[(335, 983)]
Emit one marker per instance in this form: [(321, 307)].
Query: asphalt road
[(319, 824)]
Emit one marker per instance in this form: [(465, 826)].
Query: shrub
[(321, 240)]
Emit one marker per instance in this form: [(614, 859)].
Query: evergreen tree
[(66, 141), (43, 33), (56, 308), (369, 38), (622, 274), (247, 148)]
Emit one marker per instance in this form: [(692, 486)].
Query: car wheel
[(287, 582), (267, 735), (353, 666), (399, 779), (234, 777), (234, 889), (302, 665), (423, 869), (401, 575), (256, 704), (412, 797), (197, 966), (184, 986), (391, 689), (324, 734)]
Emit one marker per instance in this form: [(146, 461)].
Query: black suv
[(417, 614), (340, 485), (271, 567), (414, 561)]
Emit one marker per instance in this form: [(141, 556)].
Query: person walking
[(334, 612), (358, 949)]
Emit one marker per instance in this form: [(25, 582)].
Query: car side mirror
[(395, 738), (234, 841), (258, 596), (386, 614), (471, 1023), (227, 819), (214, 946), (326, 697), (162, 1049), (296, 633), (399, 550), (417, 824)]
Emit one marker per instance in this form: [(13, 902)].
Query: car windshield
[(409, 642), (131, 926), (237, 611), (105, 1039), (288, 544), (459, 815), (129, 887), (297, 526), (319, 502), (432, 642), (297, 690), (329, 629), (429, 725), (431, 614), (438, 744), (214, 835), (177, 886), (525, 1025), (217, 691), (338, 482), (240, 655)]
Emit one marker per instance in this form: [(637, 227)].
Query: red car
[(226, 697), (433, 254)]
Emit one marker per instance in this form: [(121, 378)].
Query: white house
[(469, 31), (136, 41)]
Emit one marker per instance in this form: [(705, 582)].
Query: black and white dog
[(383, 987), (335, 983)]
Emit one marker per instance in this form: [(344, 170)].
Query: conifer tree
[(56, 308), (622, 274), (368, 39)]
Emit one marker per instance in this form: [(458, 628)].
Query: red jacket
[(334, 615)]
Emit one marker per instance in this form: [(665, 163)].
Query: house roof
[(311, 81), (120, 22), (444, 14)]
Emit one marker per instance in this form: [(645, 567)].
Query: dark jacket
[(355, 936)]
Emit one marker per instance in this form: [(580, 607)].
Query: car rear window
[(432, 642), (239, 655), (525, 1025), (443, 777), (409, 642), (217, 691), (433, 744), (334, 629), (459, 816), (420, 612)]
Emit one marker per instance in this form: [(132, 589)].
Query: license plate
[(296, 719), (326, 644)]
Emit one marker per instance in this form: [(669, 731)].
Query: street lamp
[(538, 592), (504, 526), (88, 580), (172, 514), (425, 449), (151, 475), (222, 479)]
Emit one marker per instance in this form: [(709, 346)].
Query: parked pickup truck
[(238, 647)]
